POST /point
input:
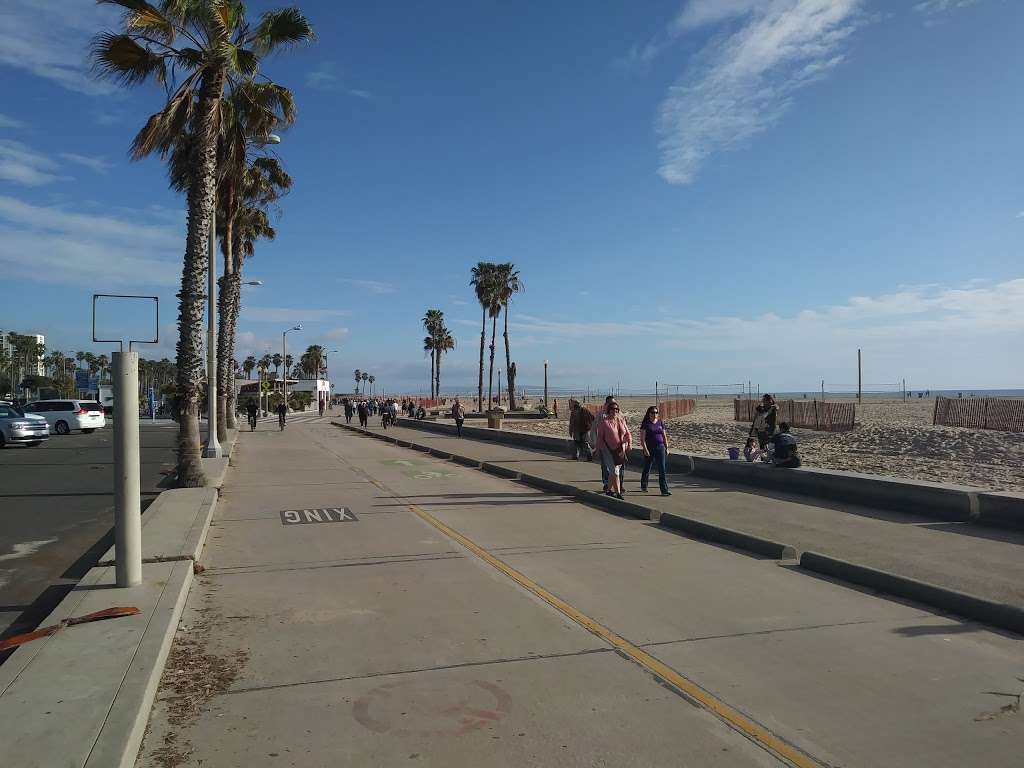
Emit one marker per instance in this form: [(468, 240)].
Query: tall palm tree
[(428, 349), (371, 378), (249, 365), (443, 344), (220, 48), (432, 322), (314, 360), (359, 377), (277, 360), (483, 285), (366, 378), (508, 285)]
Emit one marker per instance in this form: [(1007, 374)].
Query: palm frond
[(143, 17), (165, 128), (280, 28), (119, 57)]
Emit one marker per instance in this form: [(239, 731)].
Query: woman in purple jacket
[(655, 445)]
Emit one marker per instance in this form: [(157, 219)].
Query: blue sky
[(709, 191)]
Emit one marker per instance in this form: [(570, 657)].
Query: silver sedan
[(18, 427)]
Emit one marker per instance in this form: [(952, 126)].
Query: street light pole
[(284, 355), (545, 383), (213, 449)]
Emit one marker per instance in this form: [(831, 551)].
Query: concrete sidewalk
[(983, 561), (441, 616)]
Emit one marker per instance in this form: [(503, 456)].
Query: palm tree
[(366, 378), (443, 343), (313, 360), (432, 321), (371, 378), (428, 349), (509, 284), (359, 377), (249, 365), (104, 364), (277, 360), (483, 284), (79, 357), (221, 48)]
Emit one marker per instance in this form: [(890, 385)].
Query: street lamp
[(213, 449), (545, 383), (284, 356), (327, 372)]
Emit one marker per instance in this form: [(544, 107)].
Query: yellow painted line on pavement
[(734, 718)]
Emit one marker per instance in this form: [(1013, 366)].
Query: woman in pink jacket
[(613, 443)]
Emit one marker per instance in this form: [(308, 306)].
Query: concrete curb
[(500, 471), (699, 529), (175, 526), (961, 603), (215, 471), (552, 486), (84, 695)]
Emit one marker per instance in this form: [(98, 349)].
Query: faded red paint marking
[(464, 718)]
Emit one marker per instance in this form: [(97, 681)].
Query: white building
[(5, 344)]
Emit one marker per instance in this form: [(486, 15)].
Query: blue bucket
[(734, 453)]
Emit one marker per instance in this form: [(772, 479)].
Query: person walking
[(251, 411), (459, 414), (601, 416), (348, 411), (282, 413), (580, 422), (323, 405), (763, 426), (364, 413), (613, 443), (655, 444)]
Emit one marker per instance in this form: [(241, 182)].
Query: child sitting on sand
[(750, 453)]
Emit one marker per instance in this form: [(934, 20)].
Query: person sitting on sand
[(785, 454), (750, 453)]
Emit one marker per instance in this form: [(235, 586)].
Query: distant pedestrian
[(323, 405), (364, 413), (459, 414), (349, 409), (251, 411), (763, 426), (655, 445), (580, 422), (613, 443), (282, 414)]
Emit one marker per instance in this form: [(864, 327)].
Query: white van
[(63, 416)]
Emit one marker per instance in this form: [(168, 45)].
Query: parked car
[(16, 427), (63, 416)]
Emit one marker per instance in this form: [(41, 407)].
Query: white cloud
[(336, 334), (23, 165), (941, 6), (369, 286), (53, 244), (912, 313), (743, 82), (10, 122), (97, 164), (289, 314), (1019, 215), (51, 40), (325, 78)]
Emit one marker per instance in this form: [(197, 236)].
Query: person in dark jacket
[(459, 414), (785, 454), (364, 413), (765, 416), (580, 421)]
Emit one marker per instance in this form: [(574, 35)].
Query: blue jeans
[(658, 456)]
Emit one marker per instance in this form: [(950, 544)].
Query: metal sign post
[(127, 485)]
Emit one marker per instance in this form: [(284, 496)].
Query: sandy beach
[(891, 438)]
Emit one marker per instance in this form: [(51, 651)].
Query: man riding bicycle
[(252, 411), (282, 411)]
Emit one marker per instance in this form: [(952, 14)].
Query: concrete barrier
[(500, 471), (1001, 510), (934, 500), (962, 604), (699, 529)]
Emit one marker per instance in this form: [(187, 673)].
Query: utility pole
[(545, 383), (859, 392), (213, 449)]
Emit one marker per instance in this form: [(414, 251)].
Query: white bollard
[(127, 499)]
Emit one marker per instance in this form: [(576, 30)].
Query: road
[(57, 513), (364, 604)]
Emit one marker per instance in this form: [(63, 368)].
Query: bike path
[(983, 561), (390, 639)]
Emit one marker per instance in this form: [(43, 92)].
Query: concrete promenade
[(988, 562), (364, 604)]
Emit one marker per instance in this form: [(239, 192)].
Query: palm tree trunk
[(510, 373), (437, 375), (480, 385), (233, 290), (433, 362), (225, 374), (191, 298), (490, 376)]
